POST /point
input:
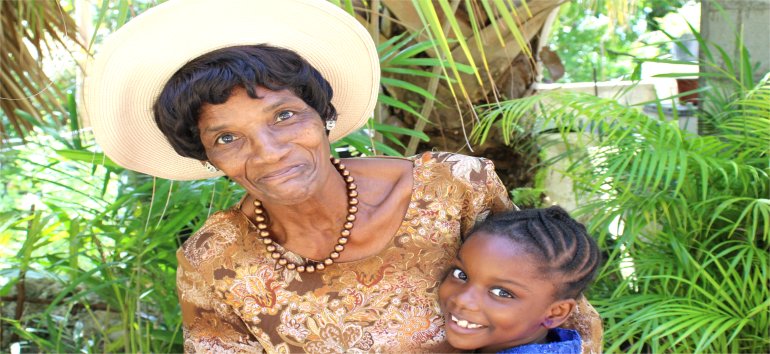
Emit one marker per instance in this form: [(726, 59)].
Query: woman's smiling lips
[(283, 173)]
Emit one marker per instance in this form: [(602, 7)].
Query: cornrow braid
[(560, 243)]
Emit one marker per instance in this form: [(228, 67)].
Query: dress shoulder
[(471, 179), (464, 167), (220, 231)]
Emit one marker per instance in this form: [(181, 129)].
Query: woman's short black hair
[(562, 246), (211, 77)]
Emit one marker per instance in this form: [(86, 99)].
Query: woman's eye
[(501, 293), (284, 115), (459, 274), (226, 139)]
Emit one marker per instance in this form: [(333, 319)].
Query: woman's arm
[(209, 325), (586, 321)]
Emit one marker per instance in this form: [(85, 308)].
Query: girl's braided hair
[(560, 244)]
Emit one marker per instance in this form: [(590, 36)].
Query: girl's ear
[(558, 313)]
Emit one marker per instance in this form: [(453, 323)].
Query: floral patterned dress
[(235, 298)]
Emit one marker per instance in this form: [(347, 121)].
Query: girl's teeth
[(465, 324)]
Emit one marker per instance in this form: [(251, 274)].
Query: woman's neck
[(311, 227)]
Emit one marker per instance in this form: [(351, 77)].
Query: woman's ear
[(558, 312)]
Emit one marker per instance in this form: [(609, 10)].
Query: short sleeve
[(486, 195)]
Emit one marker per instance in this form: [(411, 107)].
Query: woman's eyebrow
[(278, 103), (215, 128)]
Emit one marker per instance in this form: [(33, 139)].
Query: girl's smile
[(463, 323)]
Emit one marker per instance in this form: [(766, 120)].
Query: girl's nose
[(466, 299)]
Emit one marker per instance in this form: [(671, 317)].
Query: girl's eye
[(501, 293), (284, 115), (226, 139), (459, 274)]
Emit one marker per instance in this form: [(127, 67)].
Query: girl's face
[(495, 297)]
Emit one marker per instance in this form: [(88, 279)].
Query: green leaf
[(407, 86), (96, 158)]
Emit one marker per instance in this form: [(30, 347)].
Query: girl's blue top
[(560, 341)]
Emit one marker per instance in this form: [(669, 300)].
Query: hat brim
[(134, 63)]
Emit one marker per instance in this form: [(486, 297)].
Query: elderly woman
[(321, 254)]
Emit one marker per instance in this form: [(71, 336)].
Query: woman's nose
[(266, 145)]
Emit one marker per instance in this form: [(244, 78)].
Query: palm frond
[(704, 303), (30, 31)]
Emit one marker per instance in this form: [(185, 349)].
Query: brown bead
[(328, 261), (345, 233), (276, 255), (260, 218), (349, 179), (348, 225), (334, 255), (351, 217), (262, 226), (339, 248), (270, 248), (310, 269), (320, 266), (258, 211), (282, 261), (264, 233), (353, 209), (345, 173), (352, 194), (353, 201), (352, 187), (291, 266), (257, 203), (342, 240), (301, 269), (336, 161), (340, 166), (267, 240)]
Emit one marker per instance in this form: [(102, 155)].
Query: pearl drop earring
[(209, 167)]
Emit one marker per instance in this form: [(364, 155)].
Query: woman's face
[(494, 296), (274, 146)]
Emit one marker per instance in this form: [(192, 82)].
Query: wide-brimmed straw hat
[(133, 65)]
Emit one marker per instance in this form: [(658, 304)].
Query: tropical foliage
[(88, 262), (89, 259), (684, 218)]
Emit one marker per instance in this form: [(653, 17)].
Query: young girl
[(515, 280)]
